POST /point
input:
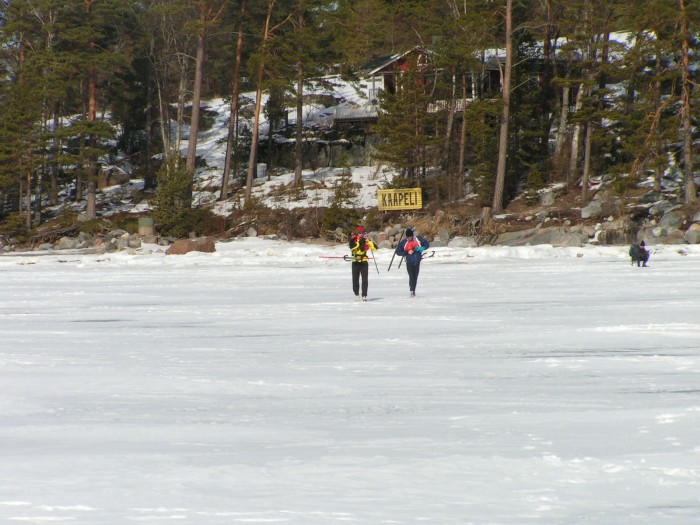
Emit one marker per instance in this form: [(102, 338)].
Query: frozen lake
[(522, 386)]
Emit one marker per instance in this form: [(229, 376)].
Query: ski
[(392, 257), (347, 258), (426, 255)]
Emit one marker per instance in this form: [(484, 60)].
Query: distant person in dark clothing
[(412, 248), (359, 245), (639, 254)]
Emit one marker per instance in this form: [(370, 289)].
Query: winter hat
[(360, 229), (409, 232)]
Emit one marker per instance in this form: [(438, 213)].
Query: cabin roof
[(375, 65), (379, 63)]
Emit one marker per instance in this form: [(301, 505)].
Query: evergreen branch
[(655, 119)]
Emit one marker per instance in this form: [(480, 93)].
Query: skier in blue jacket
[(412, 248)]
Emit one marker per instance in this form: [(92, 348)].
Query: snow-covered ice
[(522, 386)]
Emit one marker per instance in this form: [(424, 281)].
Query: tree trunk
[(196, 102), (252, 159), (164, 125), (505, 116), (271, 125), (602, 80), (80, 172), (50, 161), (53, 168), (205, 16), (298, 147), (548, 90), (91, 211), (253, 156), (658, 173), (563, 120), (28, 174), (79, 180), (690, 189), (572, 173), (149, 179), (450, 115), (163, 122), (181, 94), (418, 157), (28, 197), (231, 142), (449, 164), (20, 195), (462, 138), (38, 191), (586, 162)]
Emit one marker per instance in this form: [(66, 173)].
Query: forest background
[(85, 80)]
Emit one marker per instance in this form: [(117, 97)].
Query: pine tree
[(301, 54), (407, 127), (20, 136), (94, 39), (464, 33), (587, 27), (174, 196), (648, 123), (31, 86), (363, 29)]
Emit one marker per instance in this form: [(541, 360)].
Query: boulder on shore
[(183, 246)]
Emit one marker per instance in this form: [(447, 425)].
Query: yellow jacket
[(359, 246)]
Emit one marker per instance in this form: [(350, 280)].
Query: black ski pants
[(360, 269), (412, 270)]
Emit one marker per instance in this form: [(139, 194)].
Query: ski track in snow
[(522, 386)]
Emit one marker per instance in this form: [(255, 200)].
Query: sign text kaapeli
[(403, 199)]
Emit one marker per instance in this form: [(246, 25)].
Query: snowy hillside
[(211, 146), (211, 149)]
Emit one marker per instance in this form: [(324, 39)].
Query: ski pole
[(392, 257)]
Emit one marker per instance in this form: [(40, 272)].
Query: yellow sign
[(403, 199)]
